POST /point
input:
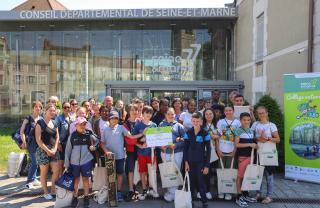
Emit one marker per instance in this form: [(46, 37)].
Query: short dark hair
[(197, 115), (229, 106), (147, 109), (244, 114), (238, 96), (164, 101)]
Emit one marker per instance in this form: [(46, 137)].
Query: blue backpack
[(29, 130)]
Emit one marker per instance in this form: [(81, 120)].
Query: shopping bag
[(182, 198), (101, 196), (227, 179), (63, 197), (66, 181), (136, 174), (253, 175), (152, 174), (213, 157), (268, 154), (99, 178), (170, 173)]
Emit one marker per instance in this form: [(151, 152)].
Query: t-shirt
[(114, 140), (226, 129), (246, 136), (102, 125), (185, 117), (263, 129), (138, 129)]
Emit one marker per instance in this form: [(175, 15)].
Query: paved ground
[(287, 194)]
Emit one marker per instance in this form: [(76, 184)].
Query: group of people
[(76, 137)]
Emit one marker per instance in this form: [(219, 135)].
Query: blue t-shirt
[(138, 129)]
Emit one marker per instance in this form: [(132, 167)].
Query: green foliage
[(276, 117), (59, 105)]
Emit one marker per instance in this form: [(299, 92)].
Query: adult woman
[(266, 131), (63, 123), (185, 117), (29, 142), (87, 106), (122, 111), (74, 107), (47, 137), (177, 106)]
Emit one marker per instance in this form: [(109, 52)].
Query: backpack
[(28, 131)]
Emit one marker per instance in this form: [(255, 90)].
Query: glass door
[(128, 94), (170, 94)]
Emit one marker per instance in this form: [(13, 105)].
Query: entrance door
[(170, 94), (128, 94)]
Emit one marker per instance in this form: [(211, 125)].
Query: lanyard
[(250, 137)]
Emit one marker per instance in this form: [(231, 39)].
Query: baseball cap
[(113, 114), (80, 120)]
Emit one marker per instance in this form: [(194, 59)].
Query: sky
[(126, 4)]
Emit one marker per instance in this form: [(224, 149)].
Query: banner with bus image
[(302, 126)]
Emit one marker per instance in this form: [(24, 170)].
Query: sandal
[(267, 200)]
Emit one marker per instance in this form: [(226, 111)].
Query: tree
[(276, 117)]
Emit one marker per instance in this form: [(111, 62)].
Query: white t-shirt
[(185, 117), (263, 129), (226, 129)]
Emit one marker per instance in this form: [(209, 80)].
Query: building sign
[(118, 14), (302, 126)]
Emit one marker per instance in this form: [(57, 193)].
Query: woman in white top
[(185, 117), (266, 131), (225, 145)]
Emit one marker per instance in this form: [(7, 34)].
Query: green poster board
[(302, 126)]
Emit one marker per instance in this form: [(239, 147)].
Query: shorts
[(84, 169), (44, 159), (120, 166), (130, 162), (243, 162), (143, 162)]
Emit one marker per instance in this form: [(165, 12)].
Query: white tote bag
[(268, 154), (227, 179), (152, 173), (253, 175), (99, 178), (182, 198), (63, 197), (170, 173), (136, 174), (213, 157), (101, 196)]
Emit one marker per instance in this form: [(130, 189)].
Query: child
[(244, 142), (225, 145), (240, 101), (78, 157), (197, 155), (144, 152), (113, 143), (177, 134)]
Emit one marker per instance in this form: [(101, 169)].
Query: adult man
[(216, 98)]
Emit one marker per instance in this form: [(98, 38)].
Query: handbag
[(136, 174), (182, 198), (66, 181), (227, 179), (253, 175), (63, 197), (268, 154), (170, 173), (152, 173), (213, 156), (99, 177), (101, 196)]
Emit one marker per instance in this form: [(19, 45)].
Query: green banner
[(302, 126)]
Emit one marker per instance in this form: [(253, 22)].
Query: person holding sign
[(144, 152), (176, 148), (196, 154), (240, 107), (225, 145), (266, 131), (244, 142), (112, 142)]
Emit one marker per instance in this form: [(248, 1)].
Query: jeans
[(178, 160), (32, 173), (269, 178), (197, 180)]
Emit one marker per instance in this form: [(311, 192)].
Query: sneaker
[(74, 202), (131, 196), (209, 195), (86, 201), (198, 195), (168, 197), (221, 196), (267, 200), (36, 182), (48, 196), (153, 193), (227, 197), (120, 196), (143, 195), (241, 202), (29, 186), (250, 199)]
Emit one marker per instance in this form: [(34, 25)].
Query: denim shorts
[(120, 166)]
